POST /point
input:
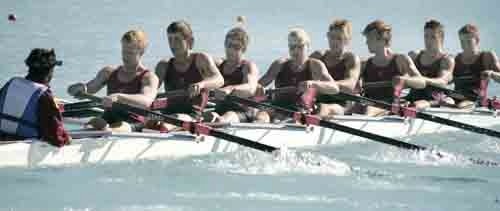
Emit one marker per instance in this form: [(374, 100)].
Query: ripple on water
[(251, 162)]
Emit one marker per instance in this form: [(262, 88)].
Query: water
[(349, 176)]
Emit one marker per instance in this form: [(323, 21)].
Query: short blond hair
[(342, 25), (469, 29), (300, 34), (384, 31), (239, 32), (137, 37)]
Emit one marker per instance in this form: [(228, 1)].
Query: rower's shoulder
[(163, 62), (489, 55), (162, 65), (314, 61), (413, 54), (448, 58), (280, 61), (317, 65), (203, 57), (106, 71), (402, 58), (318, 54), (351, 57)]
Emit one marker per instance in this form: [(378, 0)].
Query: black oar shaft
[(81, 105), (331, 125), (455, 94), (422, 115), (456, 124), (371, 136), (194, 127)]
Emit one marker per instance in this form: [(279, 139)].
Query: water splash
[(488, 145), (430, 157), (251, 162)]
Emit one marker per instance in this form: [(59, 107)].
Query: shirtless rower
[(130, 83), (435, 66), (343, 65), (187, 70), (472, 64), (383, 69), (240, 76), (300, 71)]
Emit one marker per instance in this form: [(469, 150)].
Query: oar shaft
[(422, 115), (81, 105), (454, 94), (371, 136), (461, 125), (193, 127), (329, 124)]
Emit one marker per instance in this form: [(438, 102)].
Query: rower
[(28, 109), (195, 72), (435, 66), (299, 71), (343, 66), (130, 83), (472, 64), (383, 69), (240, 76)]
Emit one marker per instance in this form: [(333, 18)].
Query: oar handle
[(173, 93), (453, 93)]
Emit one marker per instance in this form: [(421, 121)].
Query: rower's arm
[(321, 78), (212, 78), (250, 77), (272, 72), (493, 66), (147, 95), (445, 74), (93, 85), (161, 71), (409, 72), (353, 68)]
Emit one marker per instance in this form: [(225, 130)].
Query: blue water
[(86, 36)]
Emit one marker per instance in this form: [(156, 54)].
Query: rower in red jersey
[(130, 83), (300, 71), (386, 73), (472, 65)]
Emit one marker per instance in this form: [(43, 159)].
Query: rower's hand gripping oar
[(193, 127), (87, 108), (491, 103), (413, 113), (314, 120)]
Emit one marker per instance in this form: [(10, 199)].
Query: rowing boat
[(116, 147)]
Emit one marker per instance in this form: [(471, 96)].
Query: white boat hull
[(136, 146)]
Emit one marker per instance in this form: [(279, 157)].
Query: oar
[(314, 120), (81, 113), (80, 105), (173, 93), (85, 108), (193, 127), (491, 103), (411, 112)]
